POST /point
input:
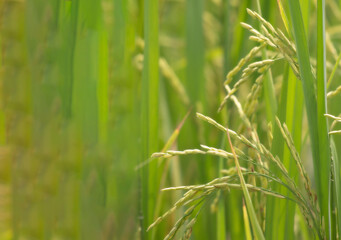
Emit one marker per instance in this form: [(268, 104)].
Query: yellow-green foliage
[(116, 118)]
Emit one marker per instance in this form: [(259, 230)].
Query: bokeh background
[(89, 89)]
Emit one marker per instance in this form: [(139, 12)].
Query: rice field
[(170, 119)]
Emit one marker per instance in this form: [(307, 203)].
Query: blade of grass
[(257, 230), (246, 223), (275, 207), (67, 84), (305, 6), (231, 37), (196, 88), (221, 217), (85, 115), (226, 37), (2, 113), (295, 107), (294, 119), (195, 50), (239, 33), (166, 166), (321, 165), (337, 183), (195, 80), (283, 16), (102, 89), (150, 97), (124, 101), (323, 137)]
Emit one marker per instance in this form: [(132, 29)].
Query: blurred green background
[(90, 89)]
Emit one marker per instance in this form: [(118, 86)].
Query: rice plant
[(313, 206), (170, 119)]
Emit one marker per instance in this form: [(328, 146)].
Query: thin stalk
[(323, 137), (333, 71), (257, 230), (246, 223), (221, 218), (336, 173), (294, 119), (275, 207), (150, 97)]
